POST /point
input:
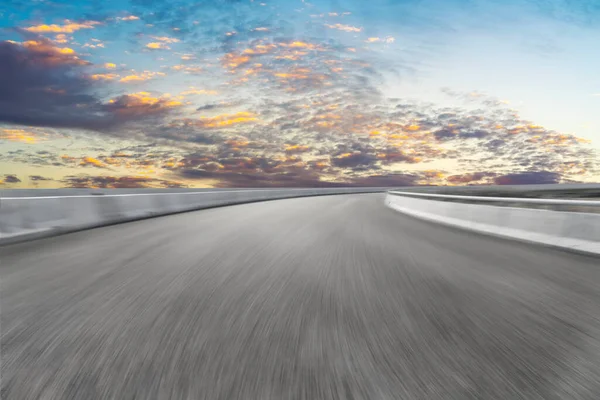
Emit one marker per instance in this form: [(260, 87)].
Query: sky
[(298, 93)]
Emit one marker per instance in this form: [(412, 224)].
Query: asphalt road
[(331, 297)]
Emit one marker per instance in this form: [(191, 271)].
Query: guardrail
[(509, 217), (23, 218), (567, 205)]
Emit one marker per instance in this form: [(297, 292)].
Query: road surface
[(334, 297)]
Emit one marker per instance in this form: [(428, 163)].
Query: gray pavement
[(332, 297)]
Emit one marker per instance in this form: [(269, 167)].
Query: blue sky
[(296, 93)]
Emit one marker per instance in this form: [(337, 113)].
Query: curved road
[(331, 297)]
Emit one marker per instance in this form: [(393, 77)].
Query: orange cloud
[(104, 77), (65, 157), (260, 49), (142, 103), (157, 46), (67, 27), (61, 38), (237, 143), (293, 55), (233, 60), (18, 135), (190, 69), (227, 119), (110, 65), (144, 76), (90, 161), (345, 28), (299, 45), (53, 55), (299, 73), (296, 148)]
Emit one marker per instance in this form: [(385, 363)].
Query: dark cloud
[(444, 133), (476, 134), (208, 107), (298, 178), (528, 178), (11, 178), (117, 182), (351, 160), (36, 178), (40, 85), (466, 179)]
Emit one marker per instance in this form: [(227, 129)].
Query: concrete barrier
[(29, 217), (567, 230)]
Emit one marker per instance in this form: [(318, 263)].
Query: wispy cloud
[(345, 28)]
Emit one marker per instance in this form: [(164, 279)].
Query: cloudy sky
[(251, 93)]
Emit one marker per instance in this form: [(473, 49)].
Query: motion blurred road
[(334, 297)]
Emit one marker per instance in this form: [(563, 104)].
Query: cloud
[(118, 182), (345, 28), (165, 39), (528, 178), (90, 161), (95, 45), (388, 39), (11, 178), (128, 18), (352, 160), (157, 46), (67, 27), (44, 86), (296, 148), (109, 65), (104, 77), (193, 91), (37, 178), (141, 104), (50, 55), (225, 120), (140, 77), (189, 69), (61, 38), (18, 135), (470, 178)]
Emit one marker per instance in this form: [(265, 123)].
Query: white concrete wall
[(567, 230), (24, 218)]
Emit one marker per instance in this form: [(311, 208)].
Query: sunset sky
[(242, 93)]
